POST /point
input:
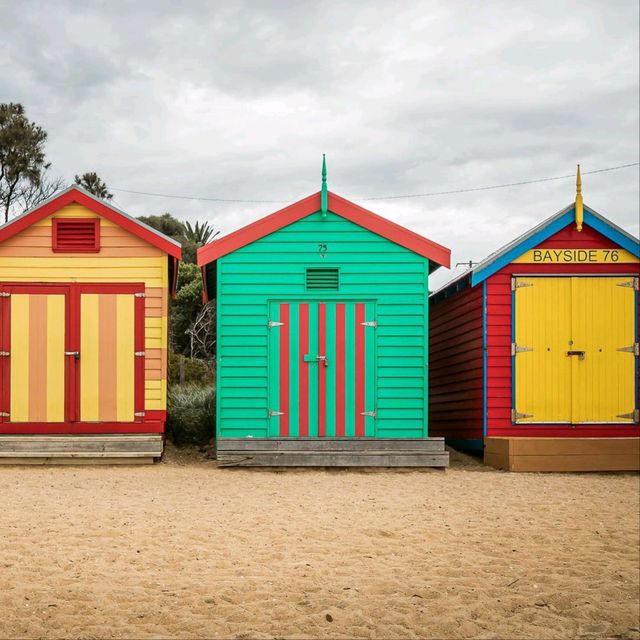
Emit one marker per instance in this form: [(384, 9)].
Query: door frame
[(313, 298), (513, 340), (72, 292)]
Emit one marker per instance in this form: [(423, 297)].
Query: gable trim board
[(76, 194), (436, 253)]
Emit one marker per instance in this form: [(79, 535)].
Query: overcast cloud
[(240, 99)]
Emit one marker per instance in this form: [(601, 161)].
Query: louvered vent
[(322, 279), (76, 235)]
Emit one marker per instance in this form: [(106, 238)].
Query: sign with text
[(576, 256)]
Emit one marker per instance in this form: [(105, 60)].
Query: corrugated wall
[(455, 366), (273, 268), (123, 257)]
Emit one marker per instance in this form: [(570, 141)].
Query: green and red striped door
[(322, 369)]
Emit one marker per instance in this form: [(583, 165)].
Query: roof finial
[(579, 205), (324, 194)]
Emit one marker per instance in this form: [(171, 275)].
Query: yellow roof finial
[(579, 205)]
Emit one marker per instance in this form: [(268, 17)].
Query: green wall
[(273, 269)]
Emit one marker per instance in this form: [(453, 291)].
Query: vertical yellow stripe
[(125, 357), (19, 358), (55, 358), (89, 341)]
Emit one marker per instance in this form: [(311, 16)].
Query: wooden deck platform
[(332, 452), (563, 454), (81, 449)]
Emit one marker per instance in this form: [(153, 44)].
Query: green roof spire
[(324, 194)]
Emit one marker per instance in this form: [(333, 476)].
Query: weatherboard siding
[(28, 257), (455, 366), (273, 269)]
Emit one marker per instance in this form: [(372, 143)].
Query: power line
[(394, 197)]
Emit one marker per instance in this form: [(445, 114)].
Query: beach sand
[(184, 549)]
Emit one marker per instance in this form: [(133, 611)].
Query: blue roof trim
[(529, 243), (632, 246), (596, 222)]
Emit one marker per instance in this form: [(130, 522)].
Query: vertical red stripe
[(359, 370), (303, 377), (284, 370), (5, 345), (322, 370), (138, 371), (340, 349), (72, 366)]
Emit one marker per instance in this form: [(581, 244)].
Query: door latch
[(75, 354), (580, 354), (309, 358)]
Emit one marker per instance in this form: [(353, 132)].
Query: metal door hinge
[(369, 323), (633, 284), (275, 413), (517, 349), (4, 294), (274, 323), (516, 284), (634, 415), (515, 415), (139, 414), (4, 414), (634, 348), (139, 354), (4, 354), (368, 414), (140, 294)]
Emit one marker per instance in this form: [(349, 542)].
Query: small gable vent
[(322, 279), (76, 235)]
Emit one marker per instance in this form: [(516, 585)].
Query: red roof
[(80, 196), (341, 207)]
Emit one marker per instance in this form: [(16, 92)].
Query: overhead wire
[(389, 197)]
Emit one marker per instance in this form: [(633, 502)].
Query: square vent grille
[(76, 235), (326, 279)]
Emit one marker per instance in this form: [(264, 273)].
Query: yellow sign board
[(576, 256)]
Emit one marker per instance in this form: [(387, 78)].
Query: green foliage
[(188, 370), (22, 156), (191, 414), (200, 234), (93, 184), (173, 228), (184, 309)]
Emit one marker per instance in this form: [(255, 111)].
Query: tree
[(200, 234), (185, 308), (33, 194), (22, 156), (91, 181)]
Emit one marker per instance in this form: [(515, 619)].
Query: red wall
[(455, 366), (499, 337)]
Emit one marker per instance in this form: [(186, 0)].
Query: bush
[(193, 371), (191, 414)]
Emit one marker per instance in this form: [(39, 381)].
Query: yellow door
[(574, 350), (603, 379), (37, 358), (542, 336), (107, 357)]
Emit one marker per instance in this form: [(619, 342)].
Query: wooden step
[(16, 449), (332, 452)]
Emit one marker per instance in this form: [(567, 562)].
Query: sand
[(183, 549)]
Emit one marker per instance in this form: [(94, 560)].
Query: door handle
[(580, 354), (309, 358), (75, 354)]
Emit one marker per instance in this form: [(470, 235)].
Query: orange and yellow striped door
[(36, 380), (107, 360)]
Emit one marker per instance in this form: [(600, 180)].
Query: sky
[(239, 100)]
